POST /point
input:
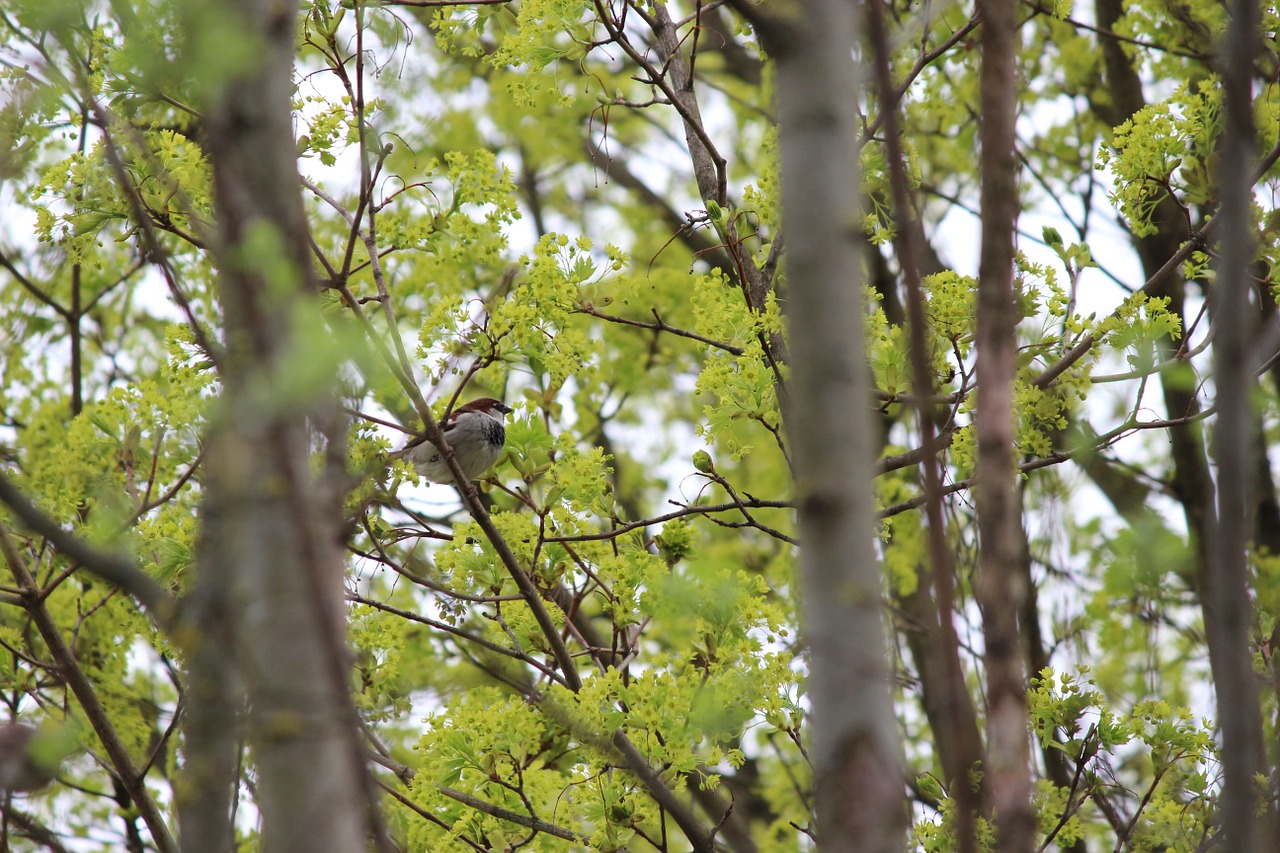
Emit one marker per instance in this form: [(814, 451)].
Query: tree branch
[(117, 569), (69, 669)]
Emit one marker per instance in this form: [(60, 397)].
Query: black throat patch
[(494, 432)]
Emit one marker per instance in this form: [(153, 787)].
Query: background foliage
[(575, 207)]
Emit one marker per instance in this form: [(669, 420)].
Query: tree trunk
[(1001, 584), (1228, 612), (855, 752), (269, 561)]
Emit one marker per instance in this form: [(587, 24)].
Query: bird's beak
[(504, 408)]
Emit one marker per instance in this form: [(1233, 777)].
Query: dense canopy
[(895, 387)]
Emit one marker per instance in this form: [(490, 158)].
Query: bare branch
[(956, 730), (660, 326), (536, 824)]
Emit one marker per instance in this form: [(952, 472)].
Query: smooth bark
[(855, 752), (1229, 614)]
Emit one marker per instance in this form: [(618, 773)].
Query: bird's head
[(485, 406)]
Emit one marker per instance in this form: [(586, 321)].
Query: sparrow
[(476, 434)]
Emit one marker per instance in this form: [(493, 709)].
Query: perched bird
[(476, 434)]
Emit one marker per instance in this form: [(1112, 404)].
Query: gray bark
[(855, 751), (270, 594), (1228, 612)]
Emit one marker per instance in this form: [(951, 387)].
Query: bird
[(475, 432)]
